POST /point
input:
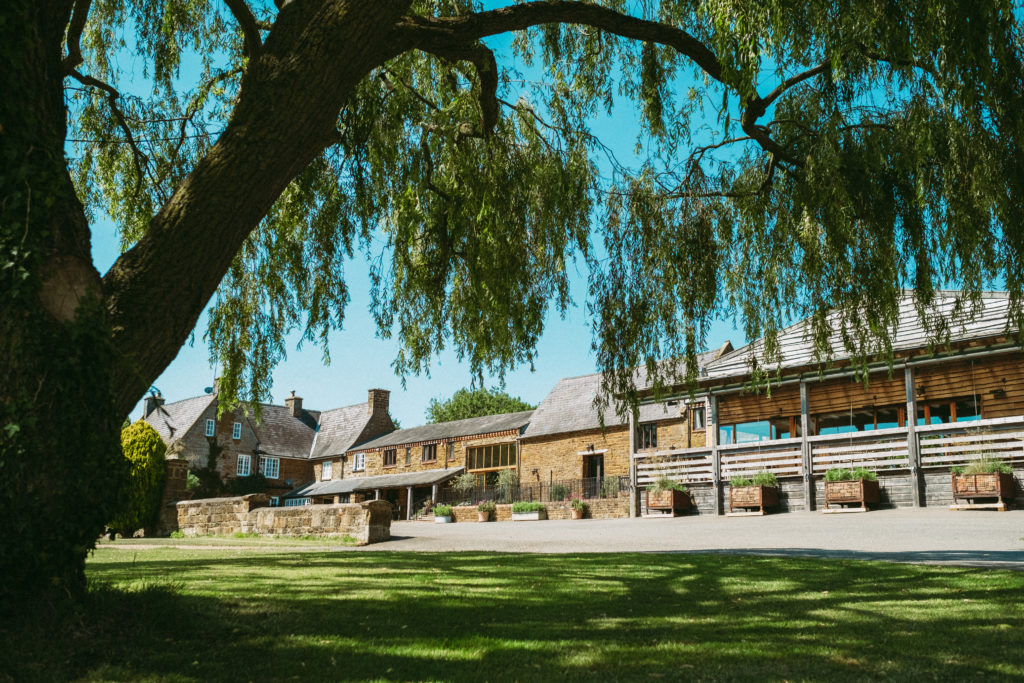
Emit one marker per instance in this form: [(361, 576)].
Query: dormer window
[(236, 430), (211, 427)]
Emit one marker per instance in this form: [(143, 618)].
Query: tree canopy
[(466, 403), (792, 157)]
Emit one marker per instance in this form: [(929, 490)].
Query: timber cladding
[(998, 381), (750, 407), (560, 456)]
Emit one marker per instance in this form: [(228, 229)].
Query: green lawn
[(199, 614)]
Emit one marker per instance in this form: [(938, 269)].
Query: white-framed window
[(295, 502), (244, 467), (359, 462), (236, 430), (211, 427), (270, 467), (326, 469)]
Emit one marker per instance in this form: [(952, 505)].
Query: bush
[(139, 504), (984, 465), (486, 506), (841, 474), (508, 480), (442, 510), (610, 487), (663, 483), (191, 481), (177, 534), (759, 479), (464, 483), (254, 483), (559, 492), (578, 505), (524, 506)]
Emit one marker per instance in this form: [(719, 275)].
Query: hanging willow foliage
[(792, 158)]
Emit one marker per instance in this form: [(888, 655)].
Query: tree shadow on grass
[(492, 616)]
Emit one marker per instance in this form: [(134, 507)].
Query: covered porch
[(406, 492)]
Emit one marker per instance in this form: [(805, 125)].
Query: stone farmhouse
[(281, 446)]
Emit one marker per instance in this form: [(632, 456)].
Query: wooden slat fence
[(781, 457), (882, 450), (950, 445), (688, 465)]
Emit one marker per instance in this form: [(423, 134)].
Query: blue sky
[(361, 360)]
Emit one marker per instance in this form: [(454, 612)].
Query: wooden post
[(408, 502), (376, 494), (634, 495), (805, 447), (913, 455), (711, 413), (433, 493)]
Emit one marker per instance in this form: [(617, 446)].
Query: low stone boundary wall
[(368, 522), (603, 508)]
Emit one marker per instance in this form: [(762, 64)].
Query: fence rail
[(883, 450), (544, 492)]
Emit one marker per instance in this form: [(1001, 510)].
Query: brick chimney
[(294, 404), (378, 402), (151, 403)]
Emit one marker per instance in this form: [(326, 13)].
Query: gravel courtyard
[(935, 535)]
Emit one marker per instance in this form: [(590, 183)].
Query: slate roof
[(797, 347), (381, 481), (339, 429), (282, 434), (172, 420), (450, 430), (569, 407)]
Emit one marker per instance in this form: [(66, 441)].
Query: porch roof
[(381, 481), (946, 319)]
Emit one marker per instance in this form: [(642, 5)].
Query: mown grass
[(199, 614)]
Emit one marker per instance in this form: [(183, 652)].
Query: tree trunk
[(78, 351), (59, 453)]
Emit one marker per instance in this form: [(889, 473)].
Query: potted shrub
[(844, 487), (484, 510), (665, 494), (523, 511), (578, 508), (443, 514), (762, 492), (984, 478)]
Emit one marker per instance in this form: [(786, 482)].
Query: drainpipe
[(913, 455)]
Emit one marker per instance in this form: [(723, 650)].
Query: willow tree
[(792, 157)]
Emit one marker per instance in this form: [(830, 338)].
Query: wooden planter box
[(760, 497), (669, 500), (862, 491), (995, 485)]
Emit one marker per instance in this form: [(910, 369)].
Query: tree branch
[(766, 101), (437, 33), (250, 28), (140, 160), (74, 39), (482, 58)]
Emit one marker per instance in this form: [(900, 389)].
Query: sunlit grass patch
[(198, 614)]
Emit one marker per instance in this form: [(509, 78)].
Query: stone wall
[(603, 508), (557, 457), (367, 522)]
